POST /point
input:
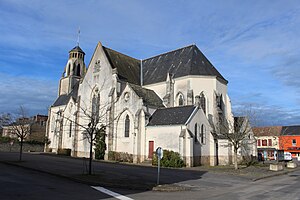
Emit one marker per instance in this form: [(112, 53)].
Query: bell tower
[(74, 71)]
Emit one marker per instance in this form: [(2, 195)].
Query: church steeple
[(75, 65), (74, 70)]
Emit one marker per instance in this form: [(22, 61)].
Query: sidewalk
[(130, 176), (253, 173)]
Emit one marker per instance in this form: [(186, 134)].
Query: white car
[(287, 156)]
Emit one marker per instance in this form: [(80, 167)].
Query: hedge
[(170, 159)]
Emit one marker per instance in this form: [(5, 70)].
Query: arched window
[(69, 68), (220, 101), (70, 130), (95, 106), (78, 70), (202, 134), (196, 132), (53, 124), (127, 126), (203, 102), (180, 100)]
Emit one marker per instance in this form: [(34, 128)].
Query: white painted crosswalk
[(111, 193)]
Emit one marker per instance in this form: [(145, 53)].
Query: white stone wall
[(224, 153), (129, 104), (103, 80), (200, 148), (206, 84), (166, 137), (69, 119), (53, 133)]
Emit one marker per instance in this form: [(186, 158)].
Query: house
[(273, 138), (170, 100), (268, 141), (290, 140), (36, 127)]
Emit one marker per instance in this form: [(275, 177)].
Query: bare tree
[(237, 130), (20, 126), (238, 133), (95, 123), (91, 120)]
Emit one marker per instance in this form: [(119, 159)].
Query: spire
[(78, 36)]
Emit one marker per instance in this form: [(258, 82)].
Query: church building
[(170, 100)]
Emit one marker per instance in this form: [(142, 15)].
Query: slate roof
[(181, 62), (77, 49), (267, 131), (128, 68), (291, 130), (149, 96), (276, 130), (63, 99), (171, 116)]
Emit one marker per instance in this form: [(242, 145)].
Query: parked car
[(287, 156)]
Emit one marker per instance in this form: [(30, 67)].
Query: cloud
[(267, 115), (254, 45), (288, 71), (35, 95)]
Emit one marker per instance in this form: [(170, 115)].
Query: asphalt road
[(279, 187), (19, 183)]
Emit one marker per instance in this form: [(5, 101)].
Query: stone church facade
[(170, 100)]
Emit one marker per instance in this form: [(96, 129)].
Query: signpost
[(159, 154), (11, 143)]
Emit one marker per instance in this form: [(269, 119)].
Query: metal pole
[(158, 169)]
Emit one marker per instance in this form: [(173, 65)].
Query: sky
[(253, 44)]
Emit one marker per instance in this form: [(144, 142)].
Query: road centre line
[(111, 193)]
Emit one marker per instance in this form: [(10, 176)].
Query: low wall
[(6, 147)]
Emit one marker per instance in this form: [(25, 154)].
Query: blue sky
[(254, 44)]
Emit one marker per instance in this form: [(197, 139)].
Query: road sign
[(159, 153)]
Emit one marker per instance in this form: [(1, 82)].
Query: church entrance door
[(151, 149)]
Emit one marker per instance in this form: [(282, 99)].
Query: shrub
[(170, 159), (65, 152), (4, 139), (33, 142), (248, 161), (100, 145), (120, 156)]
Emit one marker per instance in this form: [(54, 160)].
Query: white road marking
[(111, 193)]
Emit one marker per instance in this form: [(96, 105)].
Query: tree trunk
[(21, 149), (91, 156), (235, 159)]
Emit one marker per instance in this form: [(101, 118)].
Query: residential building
[(290, 140), (36, 126), (267, 139)]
